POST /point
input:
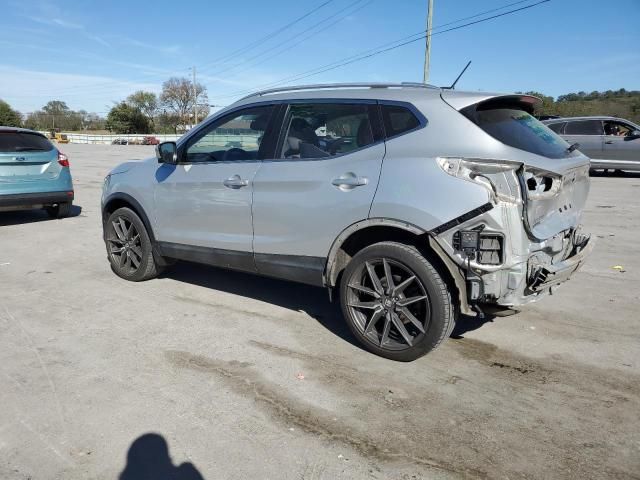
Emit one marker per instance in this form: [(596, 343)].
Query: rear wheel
[(61, 210), (129, 247), (395, 302)]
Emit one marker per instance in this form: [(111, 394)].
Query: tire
[(129, 248), (61, 210), (372, 309)]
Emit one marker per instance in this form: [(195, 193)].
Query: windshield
[(518, 129), (11, 142)]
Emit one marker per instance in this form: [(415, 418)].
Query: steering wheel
[(235, 154)]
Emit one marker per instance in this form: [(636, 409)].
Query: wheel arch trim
[(125, 197), (330, 274)]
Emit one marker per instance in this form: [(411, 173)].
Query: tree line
[(172, 111)]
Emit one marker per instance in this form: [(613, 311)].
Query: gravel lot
[(211, 361)]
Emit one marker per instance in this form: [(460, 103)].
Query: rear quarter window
[(556, 127), (398, 120), (24, 142)]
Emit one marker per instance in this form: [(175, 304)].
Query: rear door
[(203, 204), (323, 179), (589, 134), (25, 158)]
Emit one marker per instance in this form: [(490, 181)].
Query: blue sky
[(93, 53)]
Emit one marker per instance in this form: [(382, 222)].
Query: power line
[(384, 48), (78, 89), (365, 55), (274, 47), (302, 40)]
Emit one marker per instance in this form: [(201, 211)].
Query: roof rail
[(323, 86)]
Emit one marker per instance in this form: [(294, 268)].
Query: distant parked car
[(33, 173), (120, 141), (611, 143), (150, 141), (547, 117)]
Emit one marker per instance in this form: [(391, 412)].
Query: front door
[(203, 204), (620, 143), (323, 180)]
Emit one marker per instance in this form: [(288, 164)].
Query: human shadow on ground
[(148, 459), (20, 217)]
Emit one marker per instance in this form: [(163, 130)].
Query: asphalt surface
[(247, 377)]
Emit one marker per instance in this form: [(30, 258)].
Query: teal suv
[(33, 173)]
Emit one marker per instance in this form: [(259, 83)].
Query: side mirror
[(635, 134), (167, 152)]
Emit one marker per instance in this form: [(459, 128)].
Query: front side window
[(325, 129), (235, 137), (584, 127), (617, 129)]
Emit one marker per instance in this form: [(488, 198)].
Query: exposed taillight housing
[(63, 160)]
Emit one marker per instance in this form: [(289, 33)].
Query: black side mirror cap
[(167, 152)]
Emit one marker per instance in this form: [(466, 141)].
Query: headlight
[(499, 178), (105, 184)]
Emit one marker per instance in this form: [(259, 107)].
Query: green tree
[(146, 102), (8, 116), (178, 100), (123, 118)]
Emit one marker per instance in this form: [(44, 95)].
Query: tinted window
[(325, 129), (398, 120), (584, 127), (24, 142), (519, 130), (235, 137), (556, 127)]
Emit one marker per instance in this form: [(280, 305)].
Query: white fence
[(109, 139)]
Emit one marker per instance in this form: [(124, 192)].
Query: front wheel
[(395, 302), (129, 247)]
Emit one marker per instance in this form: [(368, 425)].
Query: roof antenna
[(453, 85)]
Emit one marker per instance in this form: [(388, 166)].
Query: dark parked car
[(611, 143)]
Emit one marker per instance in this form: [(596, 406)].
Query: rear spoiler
[(462, 100)]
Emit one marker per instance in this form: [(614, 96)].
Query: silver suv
[(415, 203)]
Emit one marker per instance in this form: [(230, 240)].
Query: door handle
[(609, 142), (349, 181), (235, 182)]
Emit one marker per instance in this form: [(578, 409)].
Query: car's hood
[(126, 166)]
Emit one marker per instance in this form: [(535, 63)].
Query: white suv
[(417, 203)]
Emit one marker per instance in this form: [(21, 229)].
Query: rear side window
[(557, 127), (584, 127), (518, 129), (398, 120), (326, 129), (24, 142)]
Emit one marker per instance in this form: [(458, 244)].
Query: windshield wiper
[(572, 147)]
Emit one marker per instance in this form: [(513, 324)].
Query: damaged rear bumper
[(509, 268)]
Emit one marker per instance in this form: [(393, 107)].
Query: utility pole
[(195, 99), (427, 50)]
